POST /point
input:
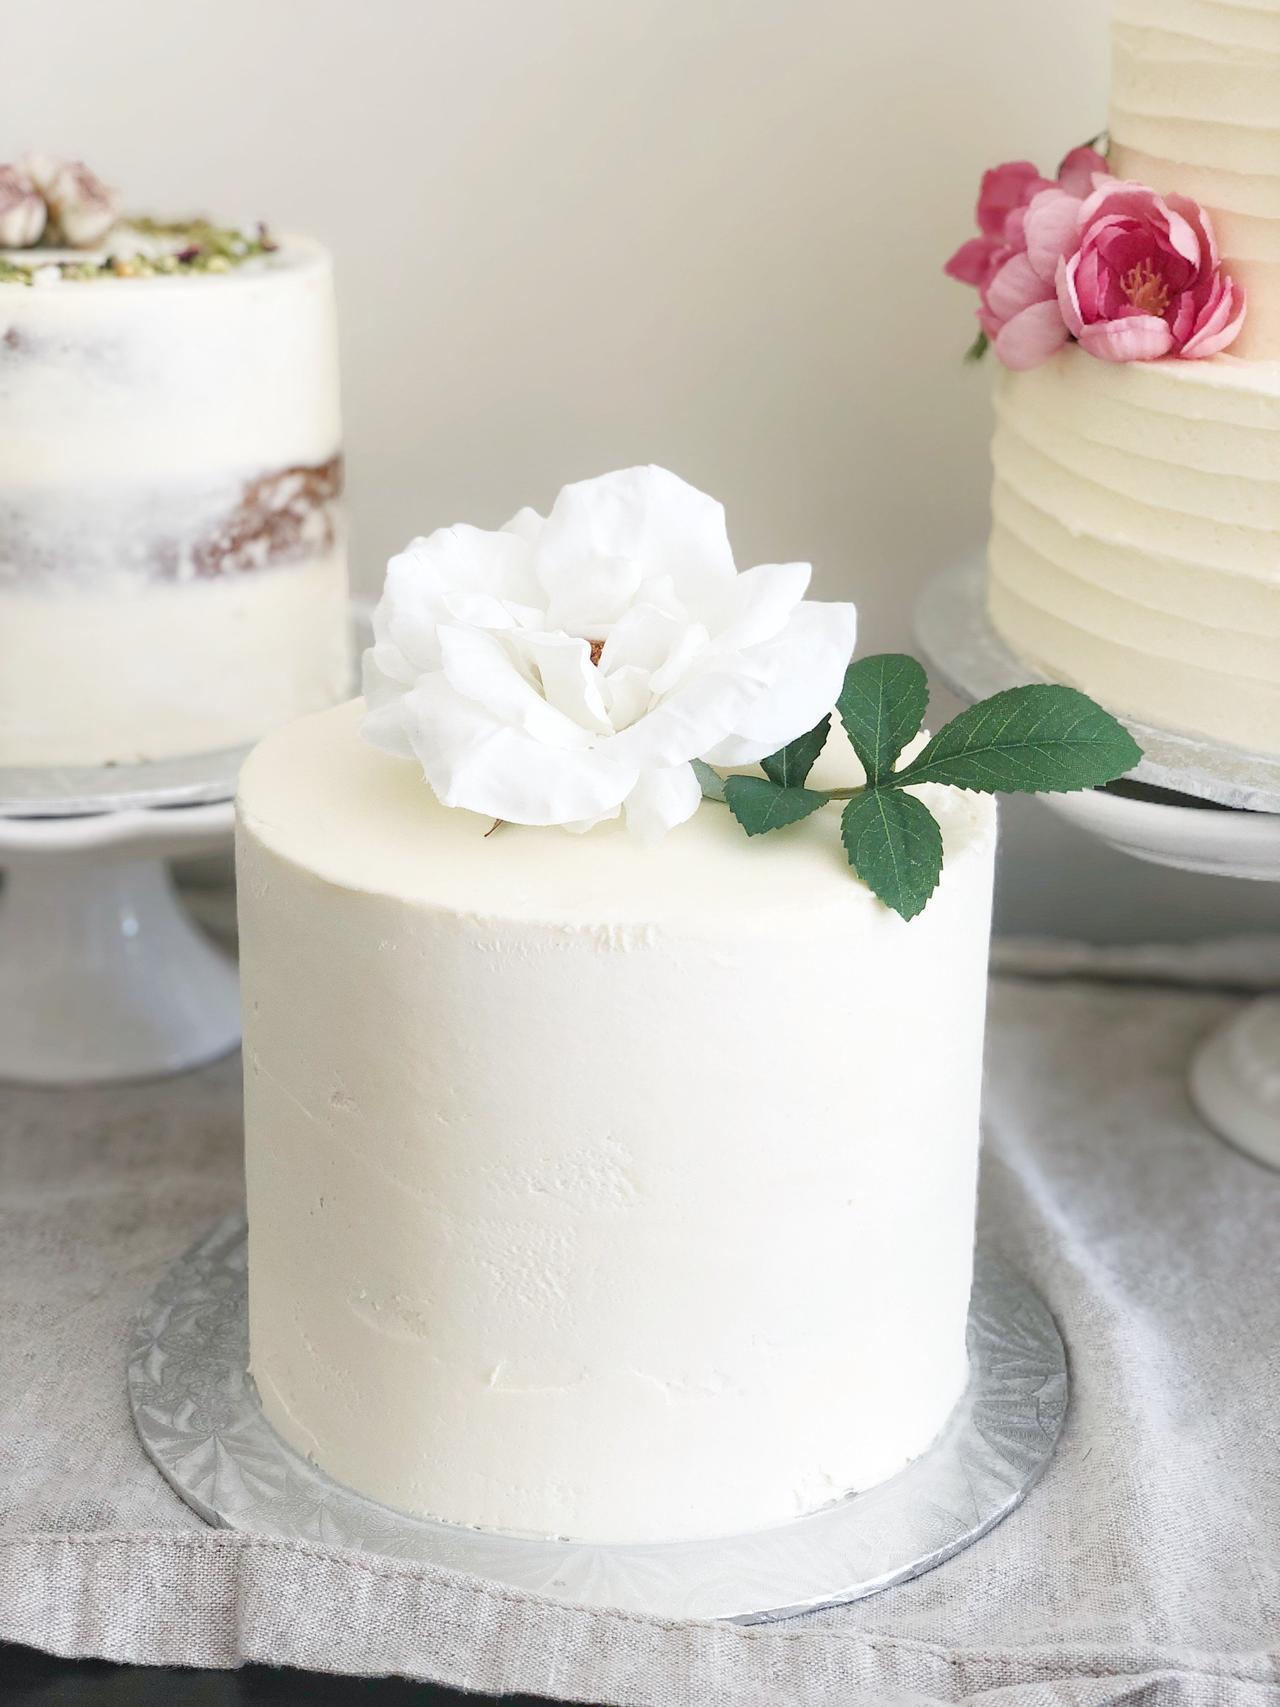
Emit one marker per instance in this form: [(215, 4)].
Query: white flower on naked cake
[(611, 659)]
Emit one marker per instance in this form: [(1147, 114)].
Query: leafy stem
[(1041, 738)]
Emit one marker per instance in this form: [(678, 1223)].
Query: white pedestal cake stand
[(1225, 823), (102, 973)]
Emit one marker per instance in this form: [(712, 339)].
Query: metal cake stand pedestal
[(1190, 804), (198, 1417)]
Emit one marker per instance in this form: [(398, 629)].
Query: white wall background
[(577, 234)]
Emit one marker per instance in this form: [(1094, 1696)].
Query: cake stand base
[(1235, 1081), (199, 1419), (957, 637), (1205, 808), (102, 973)]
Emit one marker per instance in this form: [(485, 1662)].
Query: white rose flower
[(22, 209), (559, 670)]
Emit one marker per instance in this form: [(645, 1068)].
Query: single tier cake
[(172, 562), (595, 1188), (1135, 551)]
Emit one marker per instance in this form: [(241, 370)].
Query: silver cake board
[(960, 641), (199, 1419)]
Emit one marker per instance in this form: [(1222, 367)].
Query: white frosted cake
[(598, 1189), (616, 1185), (172, 558), (1135, 549)]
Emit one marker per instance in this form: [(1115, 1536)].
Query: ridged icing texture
[(1195, 108), (597, 1190), (1135, 547)]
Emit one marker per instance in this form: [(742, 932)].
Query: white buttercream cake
[(172, 558), (597, 1189), (1136, 543)]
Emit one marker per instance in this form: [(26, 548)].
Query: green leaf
[(1038, 739), (978, 348), (760, 805), (882, 705), (895, 846), (709, 781), (791, 764)]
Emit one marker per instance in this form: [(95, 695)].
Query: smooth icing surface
[(1135, 546), (1195, 108), (614, 1192), (171, 550)]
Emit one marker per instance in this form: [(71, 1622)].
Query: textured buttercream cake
[(172, 558), (1135, 550), (597, 1189)]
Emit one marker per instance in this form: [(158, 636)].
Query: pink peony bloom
[(1144, 279), (1027, 223)]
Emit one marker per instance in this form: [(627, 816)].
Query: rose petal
[(605, 537), (526, 524), (1032, 336), (972, 262), (1181, 316), (570, 681), (626, 693), (1068, 293), (480, 668), (660, 800), (474, 760), (385, 724), (1052, 228), (1198, 218), (1137, 338), (806, 665), (1227, 319), (758, 603), (703, 710), (1078, 170), (1005, 187), (1016, 286)]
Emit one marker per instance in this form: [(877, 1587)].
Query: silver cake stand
[(199, 1419), (1208, 808)]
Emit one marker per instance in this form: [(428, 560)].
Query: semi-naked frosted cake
[(593, 1188), (1135, 549), (172, 560)]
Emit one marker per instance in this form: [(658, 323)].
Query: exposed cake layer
[(1195, 108), (618, 1192), (125, 536), (156, 434), (152, 672), (1135, 548)]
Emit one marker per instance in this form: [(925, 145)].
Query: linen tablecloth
[(1145, 1566)]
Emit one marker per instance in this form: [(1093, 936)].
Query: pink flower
[(1027, 223), (81, 207), (22, 210), (1144, 280)]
